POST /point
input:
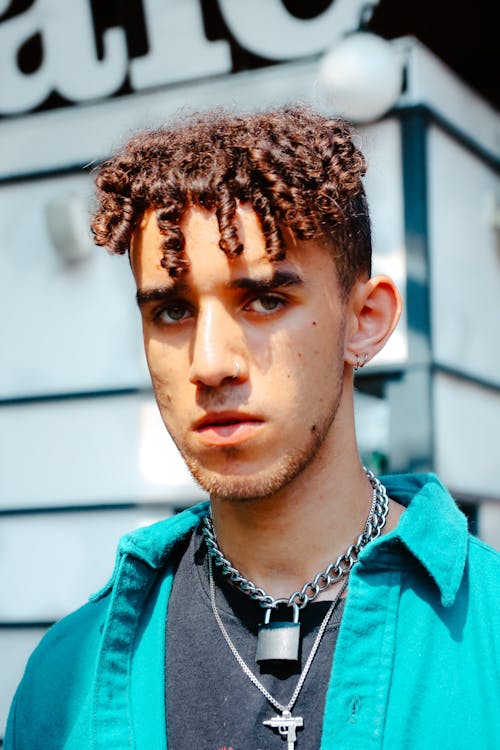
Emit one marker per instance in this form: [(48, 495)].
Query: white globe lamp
[(361, 77)]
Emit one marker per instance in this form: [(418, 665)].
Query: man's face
[(281, 324)]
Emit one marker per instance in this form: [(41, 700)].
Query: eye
[(174, 312), (266, 303)]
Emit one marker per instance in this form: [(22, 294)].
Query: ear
[(373, 310)]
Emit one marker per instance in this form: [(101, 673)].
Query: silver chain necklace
[(281, 640), (286, 724)]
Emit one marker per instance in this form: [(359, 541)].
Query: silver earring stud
[(361, 362)]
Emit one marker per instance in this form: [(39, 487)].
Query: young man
[(249, 242)]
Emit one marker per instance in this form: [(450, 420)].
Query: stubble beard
[(268, 482)]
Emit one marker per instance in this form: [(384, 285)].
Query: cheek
[(164, 378), (163, 393), (313, 341), (315, 359), (169, 371), (159, 360), (292, 374)]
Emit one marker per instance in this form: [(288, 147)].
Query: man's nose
[(217, 353)]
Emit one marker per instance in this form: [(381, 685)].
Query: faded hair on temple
[(297, 169)]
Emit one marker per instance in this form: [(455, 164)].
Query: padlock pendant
[(280, 640)]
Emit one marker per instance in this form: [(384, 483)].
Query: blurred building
[(84, 456)]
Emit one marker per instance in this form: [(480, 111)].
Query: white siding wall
[(465, 259), (466, 419)]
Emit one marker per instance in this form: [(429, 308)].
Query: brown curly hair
[(296, 167)]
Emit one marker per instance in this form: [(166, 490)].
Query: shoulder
[(484, 561), (484, 551), (77, 634), (477, 602), (57, 681)]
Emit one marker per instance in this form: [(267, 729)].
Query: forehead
[(208, 262)]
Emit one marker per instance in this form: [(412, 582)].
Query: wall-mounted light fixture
[(361, 77), (68, 221)]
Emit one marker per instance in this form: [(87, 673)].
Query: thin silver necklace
[(281, 640), (286, 724)]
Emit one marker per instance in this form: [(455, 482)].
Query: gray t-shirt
[(211, 704)]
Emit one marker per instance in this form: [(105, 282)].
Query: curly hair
[(296, 167)]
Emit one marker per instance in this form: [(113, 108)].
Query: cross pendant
[(286, 724)]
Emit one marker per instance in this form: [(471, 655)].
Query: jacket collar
[(432, 529), (153, 544)]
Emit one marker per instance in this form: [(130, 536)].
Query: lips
[(227, 428)]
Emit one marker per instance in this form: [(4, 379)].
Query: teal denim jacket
[(417, 662)]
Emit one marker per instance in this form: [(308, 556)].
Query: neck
[(282, 541)]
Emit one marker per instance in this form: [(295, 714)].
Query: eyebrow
[(277, 280), (160, 293)]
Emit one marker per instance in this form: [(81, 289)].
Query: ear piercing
[(361, 362)]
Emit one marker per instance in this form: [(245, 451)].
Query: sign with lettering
[(60, 52)]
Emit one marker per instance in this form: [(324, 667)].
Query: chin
[(242, 473), (253, 485)]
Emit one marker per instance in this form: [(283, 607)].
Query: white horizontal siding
[(89, 451), (52, 562)]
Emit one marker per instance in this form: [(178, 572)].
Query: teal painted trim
[(75, 396), (433, 117), (414, 144), (466, 377), (43, 174), (416, 385), (374, 379), (81, 508), (26, 624)]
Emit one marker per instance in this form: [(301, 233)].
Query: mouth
[(226, 428)]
